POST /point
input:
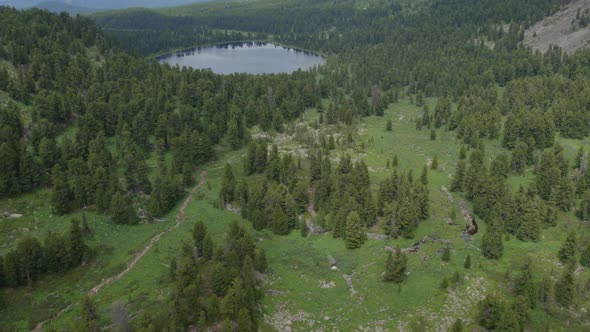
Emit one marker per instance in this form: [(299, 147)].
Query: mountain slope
[(567, 29), (99, 4)]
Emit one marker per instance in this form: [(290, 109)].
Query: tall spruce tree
[(395, 267), (355, 231), (228, 186), (491, 243), (567, 253), (565, 288)]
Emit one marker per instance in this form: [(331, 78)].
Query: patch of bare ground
[(458, 304), (562, 29), (282, 318)]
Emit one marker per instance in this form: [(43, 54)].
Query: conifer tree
[(199, 233), (61, 196), (434, 165), (202, 323), (584, 210), (244, 321), (585, 256), (355, 232), (457, 326), (509, 320), (76, 246), (207, 247), (519, 159), (121, 210), (424, 175), (463, 153), (467, 263), (567, 253), (490, 312), (89, 316), (491, 244), (459, 177), (303, 228), (548, 175), (446, 256), (228, 186), (530, 220), (389, 125), (564, 288), (395, 267), (525, 286), (260, 262), (280, 224)]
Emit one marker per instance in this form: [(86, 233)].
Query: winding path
[(180, 216)]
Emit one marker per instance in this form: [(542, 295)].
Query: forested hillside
[(110, 133), (432, 175)]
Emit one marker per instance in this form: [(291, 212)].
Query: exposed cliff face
[(567, 29)]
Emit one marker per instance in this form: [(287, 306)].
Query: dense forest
[(86, 116), (125, 110)]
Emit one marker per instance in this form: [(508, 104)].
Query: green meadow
[(302, 291)]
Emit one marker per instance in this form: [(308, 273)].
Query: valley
[(428, 174)]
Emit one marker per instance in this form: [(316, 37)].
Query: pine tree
[(490, 312), (244, 321), (444, 283), (76, 246), (260, 261), (434, 165), (424, 175), (446, 256), (202, 324), (584, 210), (389, 125), (199, 233), (547, 175), (355, 232), (459, 177), (228, 186), (85, 225), (585, 256), (530, 221), (491, 244), (61, 196), (395, 267), (525, 286), (509, 320), (564, 288), (303, 228), (519, 159), (567, 253), (89, 316), (121, 210), (457, 326), (280, 224), (207, 247), (463, 153), (467, 263)]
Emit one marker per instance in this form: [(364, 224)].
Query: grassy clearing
[(300, 265)]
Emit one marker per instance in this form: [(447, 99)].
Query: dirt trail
[(180, 216)]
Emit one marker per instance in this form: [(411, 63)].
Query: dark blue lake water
[(251, 58)]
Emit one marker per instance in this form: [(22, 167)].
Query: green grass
[(300, 264), (113, 245), (297, 264)]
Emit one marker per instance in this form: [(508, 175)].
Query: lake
[(251, 58)]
